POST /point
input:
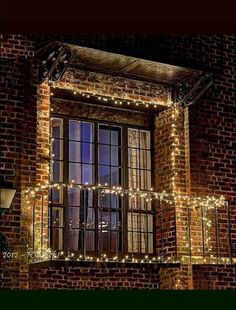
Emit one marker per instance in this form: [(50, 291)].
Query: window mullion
[(125, 180), (66, 243)]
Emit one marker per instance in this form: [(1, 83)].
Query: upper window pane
[(74, 151), (87, 132), (144, 139), (115, 137), (74, 130), (104, 154), (57, 127), (104, 134), (133, 137)]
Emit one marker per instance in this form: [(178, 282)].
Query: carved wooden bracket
[(188, 91), (53, 61)]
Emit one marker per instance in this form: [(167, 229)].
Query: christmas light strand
[(118, 101), (192, 201)]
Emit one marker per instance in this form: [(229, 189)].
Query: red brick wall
[(175, 278), (89, 276), (209, 277), (212, 140), (18, 143)]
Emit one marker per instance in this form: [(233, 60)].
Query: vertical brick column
[(42, 169), (170, 176)]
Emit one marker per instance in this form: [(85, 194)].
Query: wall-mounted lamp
[(7, 193)]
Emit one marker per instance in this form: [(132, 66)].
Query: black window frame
[(124, 184)]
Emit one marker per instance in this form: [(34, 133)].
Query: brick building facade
[(193, 155)]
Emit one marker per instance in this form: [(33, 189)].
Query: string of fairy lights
[(180, 200), (115, 100), (192, 202)]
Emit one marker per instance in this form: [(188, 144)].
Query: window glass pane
[(74, 217), (87, 174), (57, 171), (74, 196), (144, 243), (130, 242), (115, 156), (133, 137), (57, 127), (75, 172), (150, 223), (104, 154), (115, 137), (144, 204), (133, 158), (56, 195), (90, 240), (87, 153), (74, 130), (114, 241), (115, 202), (114, 221), (57, 239), (104, 175), (115, 177), (144, 139), (145, 179), (75, 239), (143, 218), (87, 132), (105, 224), (134, 202), (145, 159), (89, 195), (57, 149), (150, 243), (136, 242), (104, 200), (90, 218), (104, 135), (81, 217), (134, 178), (74, 151), (57, 217), (105, 235)]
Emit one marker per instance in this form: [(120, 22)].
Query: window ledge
[(93, 264)]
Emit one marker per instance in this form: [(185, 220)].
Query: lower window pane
[(56, 195), (90, 240), (75, 240), (74, 151), (104, 238), (81, 217), (57, 217), (136, 242), (104, 175), (150, 243), (74, 196), (114, 242), (134, 178), (87, 174), (140, 232), (115, 176), (75, 217), (144, 243), (80, 240), (145, 179), (57, 171), (75, 173), (57, 239)]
